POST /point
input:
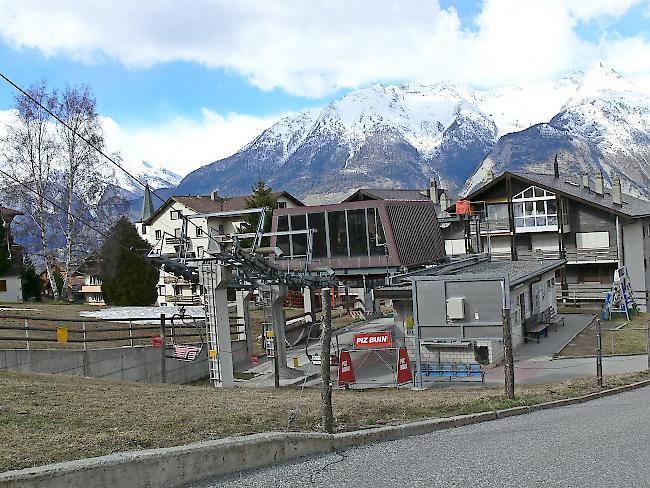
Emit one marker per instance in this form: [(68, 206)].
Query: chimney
[(585, 181), (444, 201), (598, 184), (490, 175), (556, 168), (433, 191), (214, 195), (617, 197)]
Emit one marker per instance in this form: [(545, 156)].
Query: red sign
[(404, 373), (255, 361), (372, 339), (346, 372), (463, 207), (157, 341)]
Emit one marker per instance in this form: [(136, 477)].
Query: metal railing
[(591, 255), (494, 225)]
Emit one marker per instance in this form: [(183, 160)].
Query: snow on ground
[(153, 313)]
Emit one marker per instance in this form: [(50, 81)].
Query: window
[(177, 232), (376, 233), (533, 208), (338, 234), (317, 221), (158, 234), (144, 229), (199, 252), (592, 240), (221, 229), (283, 241), (282, 205), (3, 285), (199, 231), (498, 211), (175, 215), (161, 290), (454, 247), (299, 241), (357, 229)]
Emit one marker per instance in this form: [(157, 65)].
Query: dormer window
[(175, 215), (535, 209)]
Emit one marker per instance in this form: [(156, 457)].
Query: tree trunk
[(326, 385)]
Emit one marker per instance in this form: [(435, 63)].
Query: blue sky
[(184, 86)]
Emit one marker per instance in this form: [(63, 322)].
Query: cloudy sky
[(184, 83)]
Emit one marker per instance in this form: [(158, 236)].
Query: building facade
[(210, 215), (523, 216), (11, 290)]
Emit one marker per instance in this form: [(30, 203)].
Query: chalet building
[(219, 217), (86, 281), (526, 216), (11, 289)]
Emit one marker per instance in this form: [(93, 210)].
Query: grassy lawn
[(630, 339), (49, 418)]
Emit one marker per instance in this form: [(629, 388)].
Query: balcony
[(598, 255), (172, 241), (91, 289), (174, 280), (538, 254), (183, 299), (495, 226)]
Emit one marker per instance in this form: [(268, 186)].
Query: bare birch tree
[(80, 175), (31, 150)]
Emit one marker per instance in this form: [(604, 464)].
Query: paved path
[(603, 443)]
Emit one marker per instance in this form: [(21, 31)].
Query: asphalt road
[(603, 443)]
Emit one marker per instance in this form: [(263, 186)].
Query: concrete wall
[(633, 252), (14, 291), (132, 364)]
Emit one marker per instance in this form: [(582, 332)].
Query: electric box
[(455, 308)]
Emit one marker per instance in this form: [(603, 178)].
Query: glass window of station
[(339, 234)]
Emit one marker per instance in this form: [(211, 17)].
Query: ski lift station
[(454, 313)]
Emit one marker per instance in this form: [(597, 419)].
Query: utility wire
[(57, 206)]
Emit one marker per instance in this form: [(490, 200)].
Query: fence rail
[(18, 332)]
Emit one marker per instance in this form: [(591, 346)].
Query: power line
[(57, 206), (86, 140)]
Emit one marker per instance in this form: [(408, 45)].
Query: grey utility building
[(455, 312)]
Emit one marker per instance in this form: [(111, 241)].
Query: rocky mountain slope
[(402, 136)]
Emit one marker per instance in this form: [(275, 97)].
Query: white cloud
[(181, 144), (312, 48)]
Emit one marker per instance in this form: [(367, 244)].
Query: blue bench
[(453, 370)]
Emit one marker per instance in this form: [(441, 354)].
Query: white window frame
[(534, 220)]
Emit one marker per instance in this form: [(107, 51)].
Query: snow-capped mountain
[(604, 125), (147, 173), (402, 136)]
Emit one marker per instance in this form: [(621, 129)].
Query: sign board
[(346, 372), (213, 354), (372, 339), (157, 341), (404, 374), (61, 334)]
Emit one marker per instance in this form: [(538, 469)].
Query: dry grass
[(49, 418), (630, 339)]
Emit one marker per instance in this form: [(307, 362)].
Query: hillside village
[(367, 244)]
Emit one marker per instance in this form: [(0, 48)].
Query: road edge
[(175, 466)]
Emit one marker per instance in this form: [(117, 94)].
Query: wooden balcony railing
[(606, 254), (183, 299), (495, 226)]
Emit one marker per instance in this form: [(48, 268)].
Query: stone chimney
[(433, 191), (585, 181), (444, 201), (556, 168), (599, 186), (214, 195), (617, 196), (490, 175)]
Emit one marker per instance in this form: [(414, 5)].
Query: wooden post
[(131, 332), (509, 366), (647, 330), (326, 386), (26, 334), (163, 370), (599, 354), (83, 329)]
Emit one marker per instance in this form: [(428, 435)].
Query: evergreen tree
[(32, 287), (5, 262), (262, 197), (127, 278)]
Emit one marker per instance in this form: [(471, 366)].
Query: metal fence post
[(131, 332), (26, 334), (163, 370), (83, 329), (647, 330)]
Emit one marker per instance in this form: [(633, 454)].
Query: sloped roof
[(8, 213), (206, 204), (631, 207), (386, 194)]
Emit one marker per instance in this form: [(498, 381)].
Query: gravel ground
[(602, 443)]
